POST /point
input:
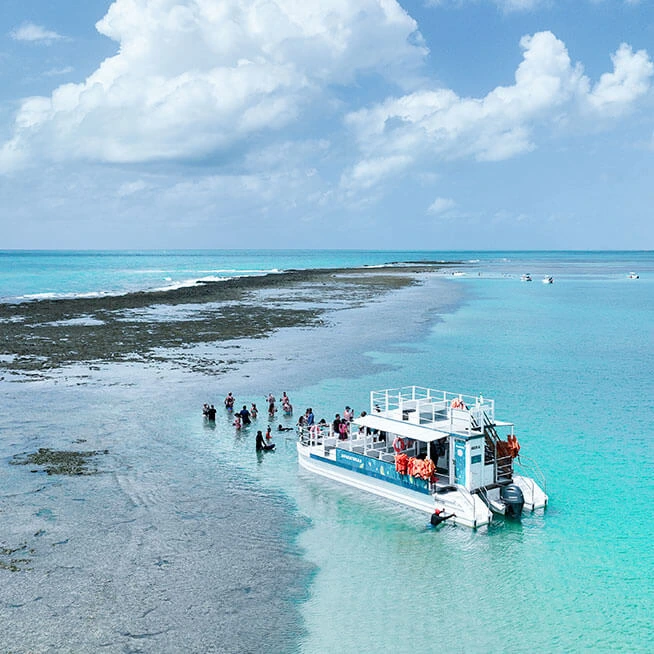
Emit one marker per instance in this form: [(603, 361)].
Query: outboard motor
[(513, 499)]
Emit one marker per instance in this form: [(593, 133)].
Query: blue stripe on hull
[(365, 465)]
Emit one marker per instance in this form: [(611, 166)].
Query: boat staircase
[(495, 450)]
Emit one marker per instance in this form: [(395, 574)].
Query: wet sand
[(40, 337)]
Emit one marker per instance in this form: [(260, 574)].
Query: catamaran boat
[(525, 278), (633, 275), (439, 452), (548, 280)]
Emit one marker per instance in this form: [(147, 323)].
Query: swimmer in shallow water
[(439, 516), (261, 444), (282, 428)]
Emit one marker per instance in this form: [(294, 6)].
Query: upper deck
[(426, 414)]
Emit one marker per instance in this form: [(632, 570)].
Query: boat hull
[(468, 509)]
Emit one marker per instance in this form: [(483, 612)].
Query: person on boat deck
[(261, 443), (237, 421), (302, 421), (253, 411), (344, 430), (310, 417), (458, 403), (336, 424), (245, 415), (348, 414), (229, 402)]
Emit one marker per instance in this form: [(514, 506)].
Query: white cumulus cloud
[(370, 172), (439, 123), (506, 6), (193, 77), (615, 92), (35, 33), (441, 205)]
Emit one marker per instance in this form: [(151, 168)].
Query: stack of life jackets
[(401, 463), (514, 446), (421, 468)]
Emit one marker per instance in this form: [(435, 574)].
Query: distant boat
[(548, 280), (458, 273), (633, 275), (525, 278)]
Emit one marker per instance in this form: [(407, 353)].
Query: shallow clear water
[(571, 365), (190, 540)]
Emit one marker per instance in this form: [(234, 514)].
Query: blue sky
[(430, 124)]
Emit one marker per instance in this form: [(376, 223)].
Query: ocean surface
[(190, 541)]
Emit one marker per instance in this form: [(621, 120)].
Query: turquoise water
[(570, 363), (37, 274)]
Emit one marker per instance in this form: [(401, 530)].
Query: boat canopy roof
[(401, 428)]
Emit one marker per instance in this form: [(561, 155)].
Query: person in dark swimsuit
[(261, 444)]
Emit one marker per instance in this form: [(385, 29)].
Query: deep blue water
[(190, 534)]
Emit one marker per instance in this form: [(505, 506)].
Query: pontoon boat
[(432, 450)]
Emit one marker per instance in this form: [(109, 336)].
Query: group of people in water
[(245, 416)]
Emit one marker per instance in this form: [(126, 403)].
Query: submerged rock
[(60, 462), (15, 563)]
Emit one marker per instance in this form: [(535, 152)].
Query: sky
[(367, 124)]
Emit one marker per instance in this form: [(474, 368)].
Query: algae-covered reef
[(39, 336), (60, 462), (8, 560)]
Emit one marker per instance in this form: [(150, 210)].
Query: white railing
[(525, 465), (420, 405)]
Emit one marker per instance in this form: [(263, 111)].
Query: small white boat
[(525, 278), (548, 280), (633, 275), (435, 451)]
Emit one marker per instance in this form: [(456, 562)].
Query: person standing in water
[(229, 402), (271, 406), (245, 415)]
